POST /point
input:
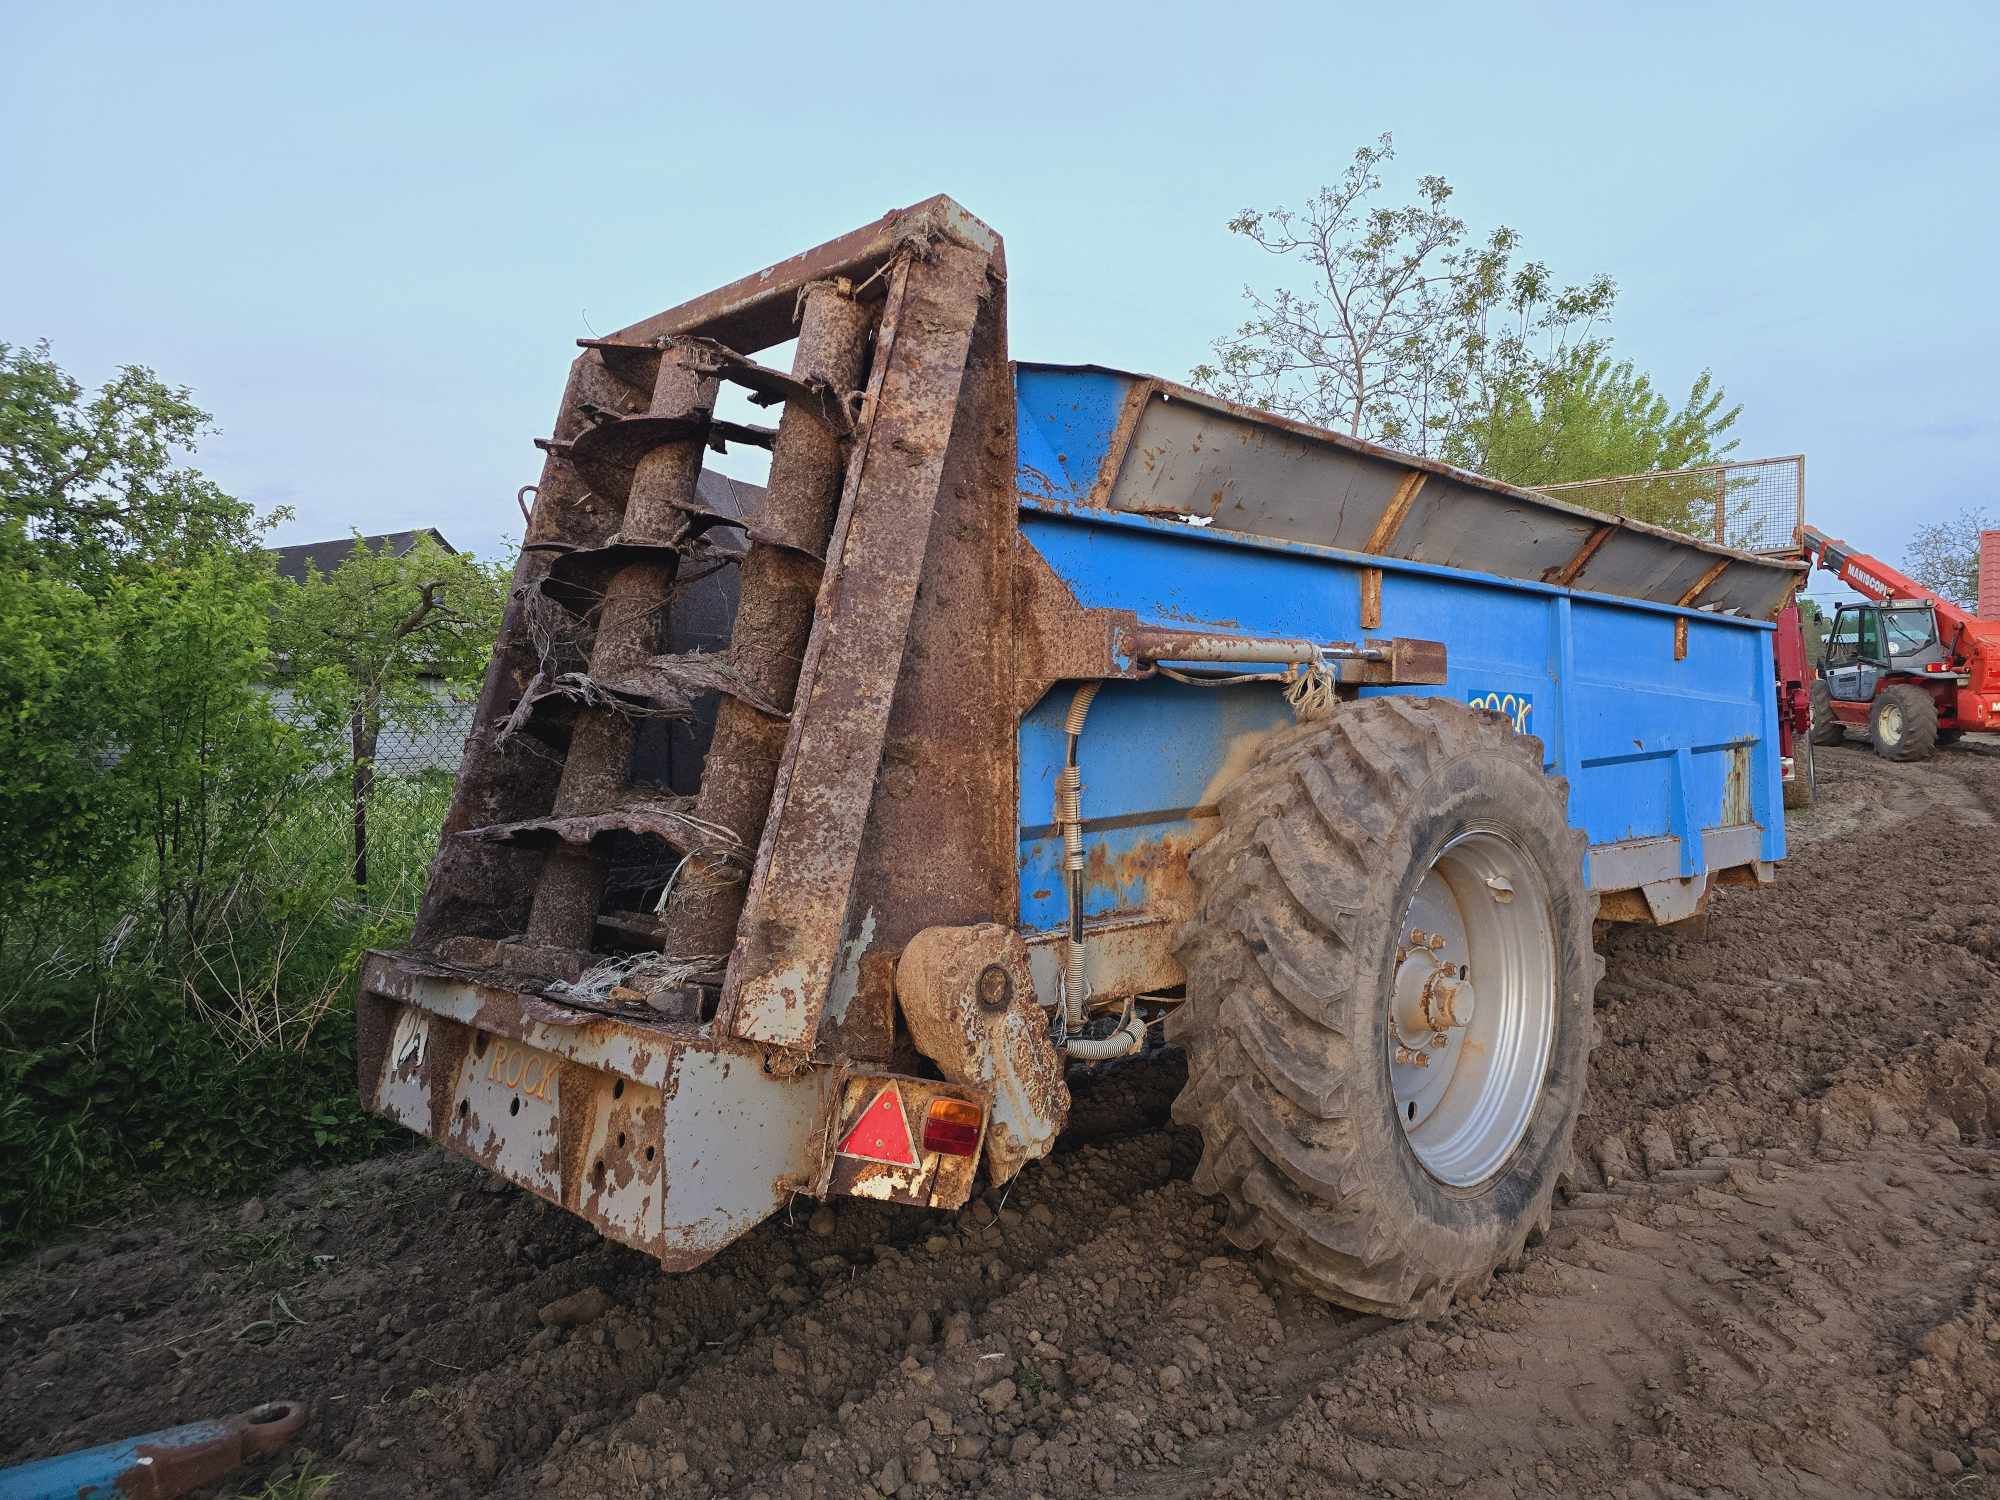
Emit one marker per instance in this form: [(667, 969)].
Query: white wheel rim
[(1891, 721), (1481, 914)]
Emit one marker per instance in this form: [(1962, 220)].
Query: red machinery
[(1911, 668), (1795, 709)]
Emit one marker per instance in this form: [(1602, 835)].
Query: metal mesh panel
[(1756, 505), (406, 800)]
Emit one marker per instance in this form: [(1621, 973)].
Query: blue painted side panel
[(1063, 427), (1150, 753), (1646, 741)]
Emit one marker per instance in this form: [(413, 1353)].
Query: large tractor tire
[(1398, 881), (1804, 785), (1903, 724), (1826, 729)]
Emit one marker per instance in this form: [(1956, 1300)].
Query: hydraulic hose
[(1131, 1033), (1130, 1037), (1069, 813)]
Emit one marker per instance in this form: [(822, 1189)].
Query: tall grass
[(129, 1074)]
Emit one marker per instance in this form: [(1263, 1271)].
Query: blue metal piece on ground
[(157, 1465)]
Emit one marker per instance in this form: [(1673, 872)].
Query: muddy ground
[(1776, 1273)]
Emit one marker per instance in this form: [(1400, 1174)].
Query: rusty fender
[(969, 1001)]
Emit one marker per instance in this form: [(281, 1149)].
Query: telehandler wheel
[(1804, 785), (1903, 723), (1826, 729), (1388, 1015)]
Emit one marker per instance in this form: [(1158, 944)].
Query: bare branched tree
[(1944, 555), (1401, 329)]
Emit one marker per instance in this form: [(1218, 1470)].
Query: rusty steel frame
[(460, 1026), (480, 888)]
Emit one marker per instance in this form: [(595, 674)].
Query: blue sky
[(368, 234)]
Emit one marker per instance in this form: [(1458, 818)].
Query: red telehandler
[(1910, 667)]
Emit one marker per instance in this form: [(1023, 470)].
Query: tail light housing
[(952, 1127)]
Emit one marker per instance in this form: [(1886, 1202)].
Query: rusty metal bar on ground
[(159, 1465), (774, 619)]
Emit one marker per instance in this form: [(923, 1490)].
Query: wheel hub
[(1431, 997), (1472, 1008)]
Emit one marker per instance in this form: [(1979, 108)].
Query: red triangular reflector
[(882, 1133)]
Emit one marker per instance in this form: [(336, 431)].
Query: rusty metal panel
[(664, 1138), (792, 932), (739, 1144), (939, 843), (755, 312)]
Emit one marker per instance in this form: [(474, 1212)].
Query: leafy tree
[(152, 908), (1404, 328), (1585, 417), (1944, 555), (211, 767), (361, 646), (90, 483), (132, 623)]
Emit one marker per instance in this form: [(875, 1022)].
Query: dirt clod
[(585, 1306)]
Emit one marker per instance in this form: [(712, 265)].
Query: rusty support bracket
[(1701, 585), (1401, 661), (1566, 573), (1392, 516)]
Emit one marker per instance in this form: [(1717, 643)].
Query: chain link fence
[(1753, 505), (401, 812)]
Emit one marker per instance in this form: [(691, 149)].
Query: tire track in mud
[(783, 1324), (1774, 1272)]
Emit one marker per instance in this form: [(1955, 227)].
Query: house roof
[(326, 556)]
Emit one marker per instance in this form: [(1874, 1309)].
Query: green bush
[(157, 1107), (141, 1079), (180, 922)]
